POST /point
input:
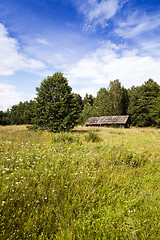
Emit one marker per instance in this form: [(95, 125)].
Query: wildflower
[(131, 211)]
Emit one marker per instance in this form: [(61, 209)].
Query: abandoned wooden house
[(109, 121)]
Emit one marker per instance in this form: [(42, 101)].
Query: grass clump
[(92, 137), (54, 186), (63, 137)]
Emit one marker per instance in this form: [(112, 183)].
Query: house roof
[(107, 120)]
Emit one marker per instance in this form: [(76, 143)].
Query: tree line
[(56, 108)]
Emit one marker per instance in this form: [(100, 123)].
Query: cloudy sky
[(91, 41)]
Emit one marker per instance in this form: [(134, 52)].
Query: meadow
[(89, 184)]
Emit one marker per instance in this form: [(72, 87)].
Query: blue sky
[(91, 41)]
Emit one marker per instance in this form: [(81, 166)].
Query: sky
[(92, 42)]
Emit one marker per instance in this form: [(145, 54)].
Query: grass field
[(92, 183)]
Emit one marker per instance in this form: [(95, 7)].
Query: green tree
[(56, 107), (4, 120), (115, 99), (88, 111), (155, 111), (29, 111), (88, 99), (79, 103), (144, 104), (101, 103), (22, 113), (125, 101), (16, 114)]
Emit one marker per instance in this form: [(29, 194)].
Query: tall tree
[(144, 104), (125, 101), (88, 111), (88, 99), (4, 118), (101, 103), (56, 108), (22, 113), (79, 103), (115, 103)]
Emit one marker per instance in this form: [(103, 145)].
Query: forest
[(141, 103)]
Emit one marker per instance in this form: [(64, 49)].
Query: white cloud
[(112, 62), (42, 41), (9, 96), (98, 12), (11, 58), (152, 47), (137, 24)]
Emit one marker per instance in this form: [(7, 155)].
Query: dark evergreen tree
[(78, 100), (22, 113), (4, 118), (79, 103), (16, 114), (125, 101), (144, 104)]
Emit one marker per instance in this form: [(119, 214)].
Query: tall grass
[(69, 186)]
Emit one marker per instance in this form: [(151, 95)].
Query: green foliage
[(88, 99), (144, 104), (63, 138), (54, 187), (79, 107), (92, 137), (88, 111), (4, 118), (101, 103), (113, 101), (18, 114), (57, 108)]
